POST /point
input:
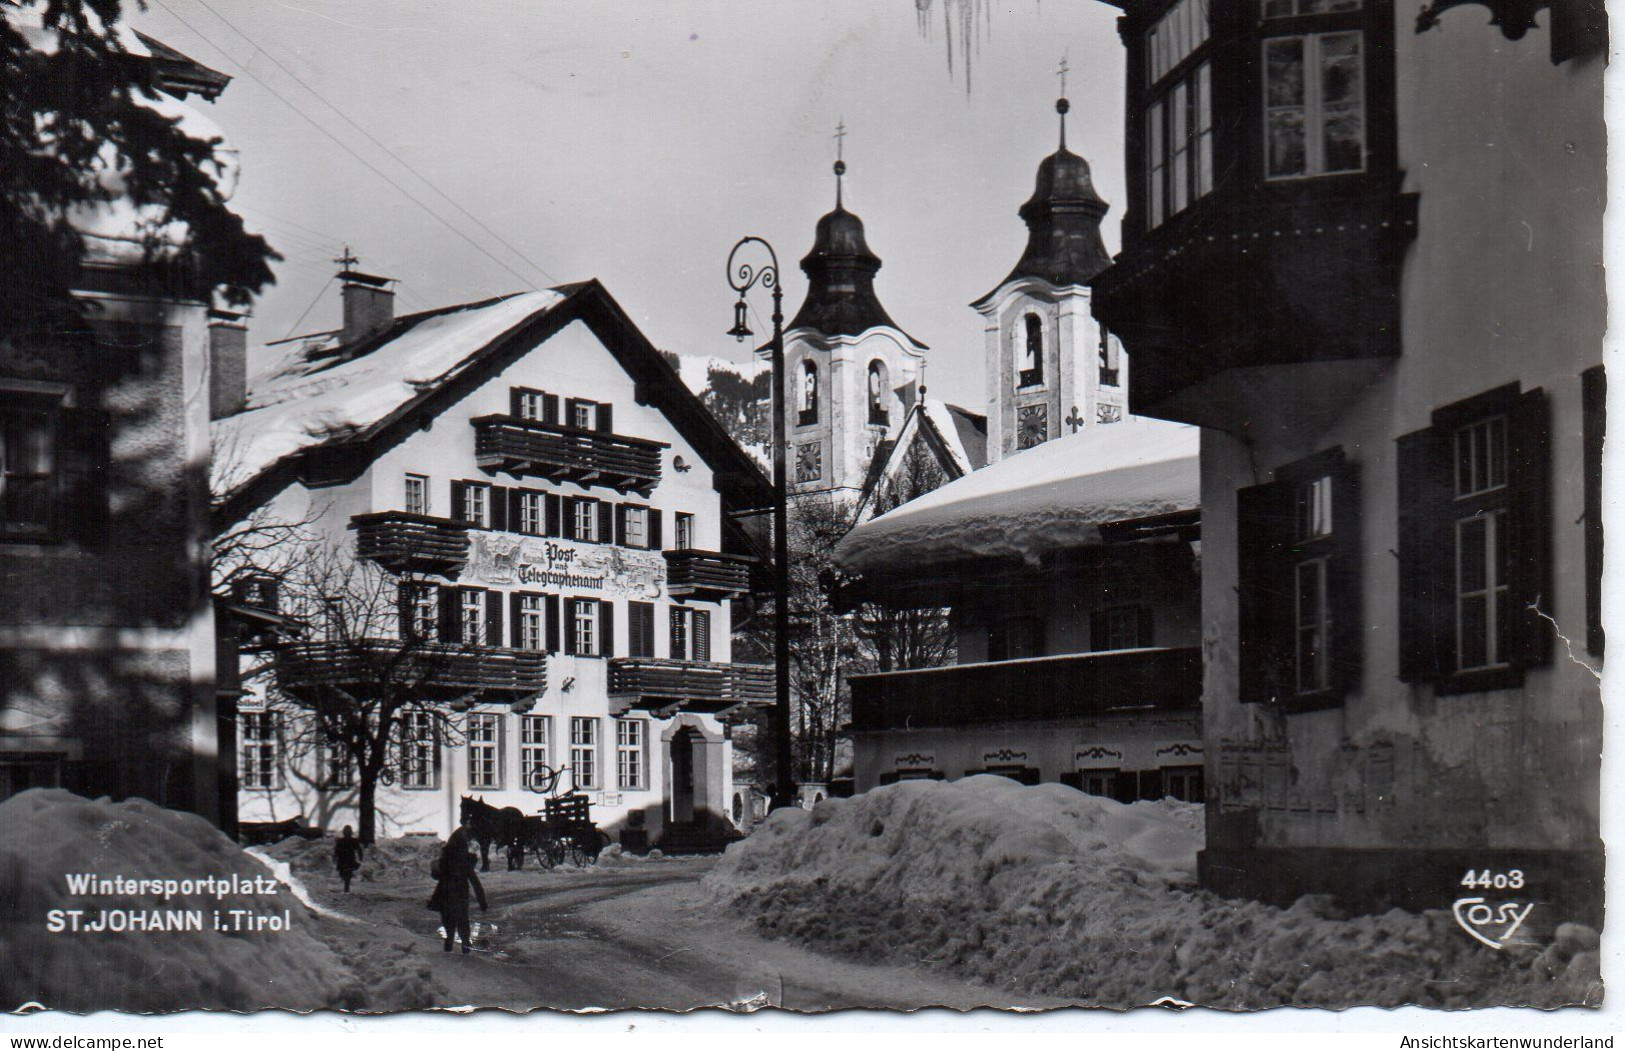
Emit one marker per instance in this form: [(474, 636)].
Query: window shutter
[(493, 618), (570, 411), (1125, 787), (515, 516), (1265, 592), (606, 628), (679, 634), (497, 501), (1593, 427), (550, 408), (606, 417), (1151, 784), (514, 397), (702, 635), (567, 510), (82, 511), (634, 629), (551, 604), (555, 515), (403, 609), (606, 522), (1145, 631), (1345, 600), (450, 629), (569, 626), (653, 532), (459, 501), (516, 621), (1426, 558), (1529, 477), (620, 525)]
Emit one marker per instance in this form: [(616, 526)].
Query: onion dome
[(1063, 216), (840, 271)]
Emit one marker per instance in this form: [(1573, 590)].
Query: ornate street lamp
[(742, 279)]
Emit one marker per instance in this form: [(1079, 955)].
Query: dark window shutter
[(515, 394), (889, 777), (450, 629), (702, 635), (606, 522), (1073, 779), (497, 501), (555, 514), (606, 628), (515, 516), (459, 501), (82, 512), (1593, 428), (550, 408), (569, 626), (570, 411), (620, 525), (637, 629), (493, 619), (657, 541), (1345, 601), (679, 633), (1125, 786), (516, 621), (403, 608), (1529, 477), (1151, 784), (606, 417), (1146, 630), (1264, 592), (567, 510), (1426, 558), (551, 604)]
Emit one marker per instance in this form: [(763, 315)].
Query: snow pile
[(51, 834), (386, 861), (1055, 495), (1047, 891), (298, 397), (615, 856)]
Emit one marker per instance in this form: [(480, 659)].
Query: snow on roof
[(695, 369), (972, 429), (300, 395), (1053, 496)]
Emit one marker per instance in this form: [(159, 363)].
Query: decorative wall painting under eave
[(505, 558)]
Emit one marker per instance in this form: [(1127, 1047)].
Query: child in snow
[(454, 874), (347, 856)]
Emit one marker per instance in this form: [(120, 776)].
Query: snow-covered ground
[(1046, 891), (50, 834)]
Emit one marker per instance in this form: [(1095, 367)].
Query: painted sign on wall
[(503, 558)]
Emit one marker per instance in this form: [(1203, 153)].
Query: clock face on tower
[(1032, 425), (809, 461)]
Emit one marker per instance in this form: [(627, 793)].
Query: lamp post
[(742, 279)]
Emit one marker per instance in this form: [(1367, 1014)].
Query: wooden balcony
[(566, 454), (434, 671), (404, 542), (1042, 688), (669, 686), (707, 575)]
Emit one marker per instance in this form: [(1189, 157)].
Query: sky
[(636, 140)]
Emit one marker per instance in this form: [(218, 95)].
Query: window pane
[(1474, 539), (1496, 440), (1283, 64), (1286, 143), (1180, 136), (1340, 74), (1473, 629), (1204, 129), (1154, 163)]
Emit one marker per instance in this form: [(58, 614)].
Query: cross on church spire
[(1061, 104), (347, 260), (840, 161)]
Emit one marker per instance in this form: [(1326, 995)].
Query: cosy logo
[(1494, 925)]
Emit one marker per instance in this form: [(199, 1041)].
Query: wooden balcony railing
[(1026, 690), (699, 686), (559, 454), (706, 575), (401, 542), (438, 671)]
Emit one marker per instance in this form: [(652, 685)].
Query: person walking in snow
[(347, 856), (454, 874)]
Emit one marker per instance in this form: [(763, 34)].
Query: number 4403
[(1487, 880)]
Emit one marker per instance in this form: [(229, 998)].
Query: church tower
[(850, 372), (1051, 369)]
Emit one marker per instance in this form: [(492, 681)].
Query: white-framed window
[(535, 743), (532, 627), (584, 414), (685, 531), (422, 611), (586, 521), (1176, 36), (1481, 457), (471, 617), (531, 404), (584, 752), (584, 627), (484, 750), (417, 494), (419, 750), (629, 764), (690, 634), (29, 472), (259, 750), (1179, 145), (1483, 566), (532, 513), (637, 526), (1314, 104), (337, 765), (477, 504)]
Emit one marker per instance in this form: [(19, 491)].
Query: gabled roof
[(955, 437), (320, 412)]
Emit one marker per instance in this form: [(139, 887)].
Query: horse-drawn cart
[(563, 831)]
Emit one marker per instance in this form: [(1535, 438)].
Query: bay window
[(1314, 104)]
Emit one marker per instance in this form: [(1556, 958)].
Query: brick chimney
[(228, 362), (369, 305)]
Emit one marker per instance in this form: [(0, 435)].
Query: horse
[(488, 825)]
